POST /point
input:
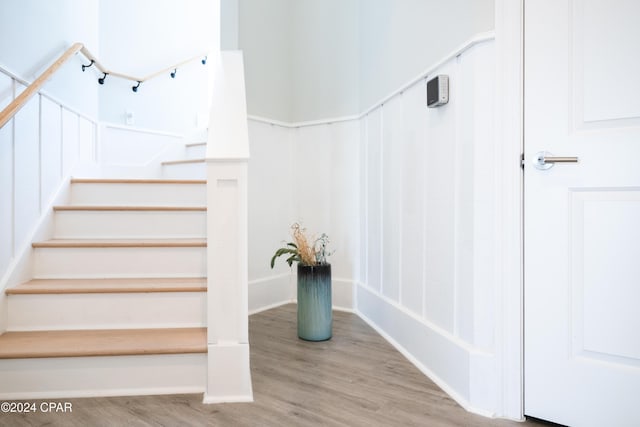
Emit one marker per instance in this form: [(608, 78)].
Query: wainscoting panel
[(6, 178), (51, 148), (27, 167), (270, 189), (39, 149), (310, 175), (373, 182), (413, 199), (392, 147), (71, 138), (436, 297), (326, 189)]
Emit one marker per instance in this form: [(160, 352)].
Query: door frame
[(509, 220)]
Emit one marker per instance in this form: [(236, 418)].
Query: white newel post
[(229, 374)]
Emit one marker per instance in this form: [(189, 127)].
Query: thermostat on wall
[(438, 91)]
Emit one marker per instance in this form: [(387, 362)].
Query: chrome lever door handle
[(544, 160)]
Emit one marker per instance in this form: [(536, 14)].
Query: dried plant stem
[(307, 253)]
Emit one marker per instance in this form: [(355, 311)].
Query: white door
[(582, 220)]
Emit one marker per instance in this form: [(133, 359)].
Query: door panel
[(582, 220)]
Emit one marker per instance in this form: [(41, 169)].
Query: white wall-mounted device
[(438, 91)]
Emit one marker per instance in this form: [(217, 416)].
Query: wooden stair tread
[(135, 181), (121, 243), (183, 162), (111, 342), (118, 285), (149, 208)]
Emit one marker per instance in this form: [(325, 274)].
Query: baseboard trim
[(440, 382), (207, 400), (269, 307), (426, 371), (282, 285), (73, 394)]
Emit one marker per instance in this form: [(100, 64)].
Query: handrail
[(107, 72), (15, 106)]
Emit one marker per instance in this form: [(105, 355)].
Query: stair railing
[(19, 102)]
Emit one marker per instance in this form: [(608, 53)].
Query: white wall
[(302, 175), (429, 234), (35, 33), (399, 39), (318, 59), (324, 59), (326, 196), (271, 212), (408, 196), (141, 37), (301, 58), (264, 37)]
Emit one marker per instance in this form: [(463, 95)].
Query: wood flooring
[(355, 379)]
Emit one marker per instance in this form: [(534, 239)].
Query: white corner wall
[(301, 58), (408, 196), (305, 175), (264, 36)]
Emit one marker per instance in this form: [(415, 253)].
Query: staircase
[(193, 165), (117, 303)]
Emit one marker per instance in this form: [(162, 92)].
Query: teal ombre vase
[(314, 302)]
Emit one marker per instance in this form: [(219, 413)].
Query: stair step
[(183, 162), (106, 286), (127, 303), (111, 342), (121, 243), (118, 260), (136, 181), (129, 222), (196, 144), (138, 192), (129, 208)]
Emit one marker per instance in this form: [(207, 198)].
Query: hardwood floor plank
[(355, 379)]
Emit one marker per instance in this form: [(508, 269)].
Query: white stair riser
[(107, 311), (185, 171), (66, 377), (196, 152), (139, 194), (58, 263), (130, 224)]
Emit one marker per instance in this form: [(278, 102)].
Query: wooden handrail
[(105, 70), (15, 106)]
